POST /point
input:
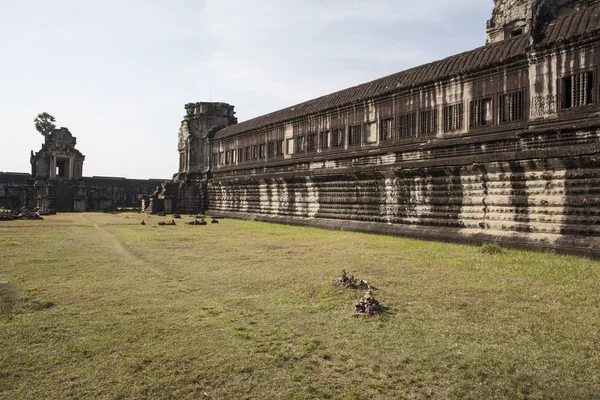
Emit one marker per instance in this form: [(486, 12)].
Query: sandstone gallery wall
[(497, 144)]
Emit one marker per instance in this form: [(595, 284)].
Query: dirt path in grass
[(127, 255)]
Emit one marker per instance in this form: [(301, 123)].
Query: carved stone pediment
[(184, 134), (62, 136)]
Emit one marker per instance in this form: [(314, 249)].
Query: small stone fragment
[(349, 282)]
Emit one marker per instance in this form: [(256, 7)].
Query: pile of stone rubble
[(202, 221), (368, 306), (196, 222), (23, 213), (349, 282)]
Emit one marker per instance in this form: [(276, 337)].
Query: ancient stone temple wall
[(498, 144), (56, 182), (545, 204)]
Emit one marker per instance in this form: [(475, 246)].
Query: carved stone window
[(338, 137), (578, 90), (407, 125), (481, 112), (324, 140), (240, 155), (453, 117), (386, 129), (271, 149), (512, 106), (261, 151), (300, 144), (279, 148), (247, 154), (215, 159), (289, 146), (233, 156), (429, 122), (254, 152), (354, 135), (62, 168), (227, 155), (311, 142)]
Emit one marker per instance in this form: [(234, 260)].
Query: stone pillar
[(53, 167), (71, 166)]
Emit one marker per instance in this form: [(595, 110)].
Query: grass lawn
[(97, 306)]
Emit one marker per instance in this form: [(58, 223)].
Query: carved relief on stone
[(184, 133), (542, 106)]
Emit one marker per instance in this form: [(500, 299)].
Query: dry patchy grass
[(98, 306)]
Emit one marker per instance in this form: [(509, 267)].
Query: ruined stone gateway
[(496, 144), (56, 182)]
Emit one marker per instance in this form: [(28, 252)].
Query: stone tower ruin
[(201, 122), (512, 18), (187, 192)]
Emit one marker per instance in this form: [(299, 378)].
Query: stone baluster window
[(481, 112), (512, 106), (337, 137), (453, 117), (429, 122), (300, 144), (386, 129), (271, 149), (354, 135), (407, 125), (578, 90), (261, 151), (311, 142), (324, 140), (279, 148)]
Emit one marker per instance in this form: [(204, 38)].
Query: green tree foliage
[(44, 123)]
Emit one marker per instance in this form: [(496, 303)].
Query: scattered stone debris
[(162, 214), (349, 282), (214, 221), (42, 211), (172, 223), (196, 222), (23, 213), (5, 216), (367, 306), (143, 222), (176, 216)]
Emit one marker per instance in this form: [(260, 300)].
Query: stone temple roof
[(583, 23)]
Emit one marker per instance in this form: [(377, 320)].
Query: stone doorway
[(64, 199)]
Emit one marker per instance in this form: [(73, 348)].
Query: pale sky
[(117, 73)]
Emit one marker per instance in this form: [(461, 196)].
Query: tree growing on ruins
[(44, 124)]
